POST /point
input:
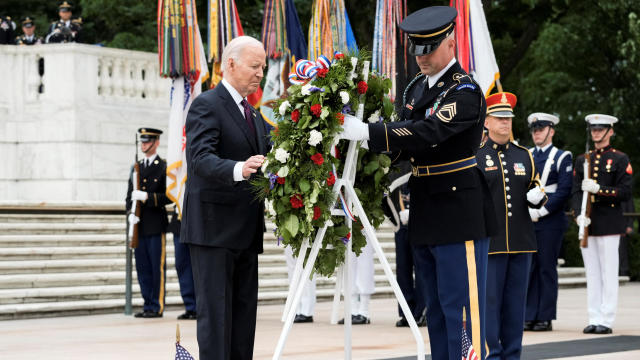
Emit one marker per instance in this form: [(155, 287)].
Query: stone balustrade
[(68, 114)]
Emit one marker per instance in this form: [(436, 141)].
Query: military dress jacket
[(443, 125), (24, 40), (612, 170), (7, 27), (510, 170), (153, 214), (71, 33), (557, 187)]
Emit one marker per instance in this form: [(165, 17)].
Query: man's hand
[(404, 216), (354, 129), (535, 195), (133, 219), (590, 185), (139, 195), (534, 214), (252, 165), (582, 220)]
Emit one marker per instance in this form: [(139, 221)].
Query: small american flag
[(182, 353), (467, 349)]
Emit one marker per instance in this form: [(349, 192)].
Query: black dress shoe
[(151, 314), (589, 329), (341, 321), (188, 315), (528, 325), (139, 314), (360, 320), (302, 319), (601, 329), (542, 326), (402, 322)]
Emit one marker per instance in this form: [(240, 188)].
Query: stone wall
[(68, 115)]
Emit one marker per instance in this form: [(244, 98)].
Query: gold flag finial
[(464, 315), (177, 333)]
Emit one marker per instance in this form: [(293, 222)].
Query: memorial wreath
[(304, 163)]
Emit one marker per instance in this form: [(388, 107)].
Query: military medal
[(490, 162), (609, 162), (441, 83)]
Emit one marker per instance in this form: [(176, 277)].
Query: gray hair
[(234, 48)]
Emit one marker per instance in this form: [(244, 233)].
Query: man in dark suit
[(452, 212), (222, 221), (150, 253)]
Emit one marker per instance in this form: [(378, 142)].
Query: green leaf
[(291, 224), (371, 167), (305, 186)]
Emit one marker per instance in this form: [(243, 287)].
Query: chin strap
[(602, 137)]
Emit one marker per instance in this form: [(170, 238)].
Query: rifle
[(135, 204), (585, 208)]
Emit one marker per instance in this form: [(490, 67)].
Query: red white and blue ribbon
[(306, 70), (343, 203)]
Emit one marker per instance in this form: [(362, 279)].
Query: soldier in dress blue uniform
[(554, 167), (510, 173), (29, 37), (451, 213), (608, 185), (183, 268), (7, 28), (66, 29), (150, 253)]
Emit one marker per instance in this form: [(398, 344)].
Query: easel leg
[(295, 278), (371, 237), (336, 296)]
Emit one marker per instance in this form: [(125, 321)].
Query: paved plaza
[(115, 336)]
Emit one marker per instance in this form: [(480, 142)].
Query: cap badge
[(441, 84), (504, 99)]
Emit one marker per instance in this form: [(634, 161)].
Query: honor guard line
[(345, 181)]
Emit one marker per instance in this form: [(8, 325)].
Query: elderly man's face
[(248, 70)]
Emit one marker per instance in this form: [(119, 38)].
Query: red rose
[(323, 72), (296, 201), (339, 56), (331, 179), (317, 212), (340, 117), (317, 159), (349, 236), (362, 87), (337, 152), (295, 115), (280, 180), (316, 109)]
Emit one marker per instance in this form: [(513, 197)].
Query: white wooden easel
[(301, 273)]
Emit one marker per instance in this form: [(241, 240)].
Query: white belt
[(551, 188)]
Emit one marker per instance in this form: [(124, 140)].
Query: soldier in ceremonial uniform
[(451, 213), (29, 37), (183, 268), (396, 208), (65, 29), (510, 172), (608, 184), (150, 253), (7, 27), (554, 168)]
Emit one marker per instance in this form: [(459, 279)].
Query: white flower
[(385, 170), (329, 223), (345, 96), (315, 137), (282, 155), (283, 172), (265, 164), (283, 107), (375, 117), (394, 116), (269, 205), (306, 89)]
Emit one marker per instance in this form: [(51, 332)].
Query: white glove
[(590, 185), (534, 214), (139, 195), (133, 219), (583, 220), (354, 129), (535, 195), (404, 216)]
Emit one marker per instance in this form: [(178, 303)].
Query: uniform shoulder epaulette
[(520, 146)]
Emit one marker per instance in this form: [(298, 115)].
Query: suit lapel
[(237, 116)]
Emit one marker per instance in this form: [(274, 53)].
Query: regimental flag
[(284, 43), (329, 29), (184, 89), (389, 14), (467, 349), (475, 51), (178, 39)]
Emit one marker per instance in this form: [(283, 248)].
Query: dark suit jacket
[(217, 210)]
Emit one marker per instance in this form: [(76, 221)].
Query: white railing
[(71, 73)]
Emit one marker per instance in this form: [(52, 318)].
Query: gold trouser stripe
[(386, 135), (162, 259), (474, 306)]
